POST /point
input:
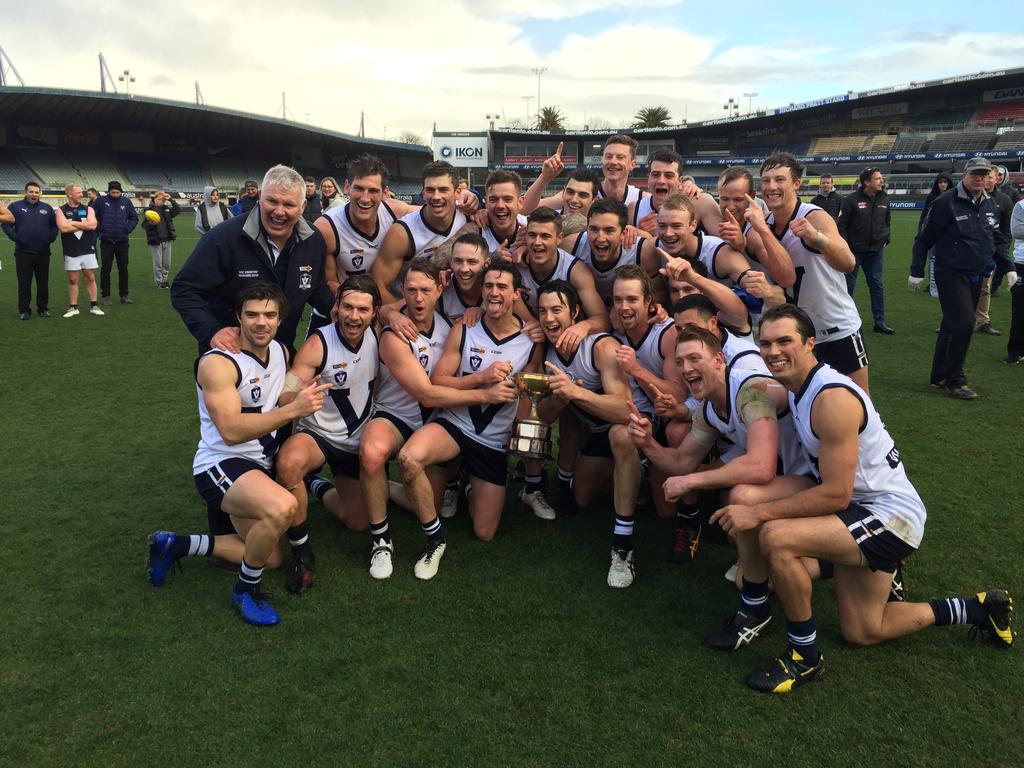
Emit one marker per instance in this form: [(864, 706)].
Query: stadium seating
[(228, 175), (13, 175), (909, 142), (96, 170), (869, 125), (881, 143), (837, 145), (1010, 140), (946, 120), (992, 114), (184, 175), (50, 167), (961, 141)]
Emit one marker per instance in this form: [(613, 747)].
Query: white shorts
[(76, 263)]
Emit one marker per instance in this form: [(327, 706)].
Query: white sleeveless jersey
[(490, 424), (493, 242), (453, 306), (708, 247), (259, 387), (391, 396), (880, 485), (753, 263), (632, 194), (356, 251), (351, 373), (580, 366), (648, 355), (733, 430), (819, 289), (424, 238), (740, 352), (643, 208), (530, 284), (604, 276)]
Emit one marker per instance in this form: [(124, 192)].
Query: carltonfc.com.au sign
[(463, 150)]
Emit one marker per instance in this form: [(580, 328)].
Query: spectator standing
[(329, 197), (864, 220), (313, 208), (212, 211), (959, 226), (1004, 205), (32, 231), (77, 224), (160, 234), (115, 220), (1015, 345), (272, 244), (941, 184), (248, 197), (827, 198)]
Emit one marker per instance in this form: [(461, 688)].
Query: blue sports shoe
[(160, 558), (255, 608)]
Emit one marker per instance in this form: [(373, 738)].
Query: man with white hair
[(271, 243)]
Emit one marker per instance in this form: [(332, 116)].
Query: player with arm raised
[(406, 399), (859, 516), (344, 355), (820, 259), (239, 415), (474, 357)]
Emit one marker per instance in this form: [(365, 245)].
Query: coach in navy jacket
[(115, 220), (34, 228), (239, 251), (959, 227)]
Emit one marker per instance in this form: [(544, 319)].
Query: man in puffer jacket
[(116, 218)]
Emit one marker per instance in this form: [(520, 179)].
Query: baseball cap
[(977, 164), (114, 185), (250, 183)]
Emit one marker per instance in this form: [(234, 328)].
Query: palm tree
[(551, 119), (652, 117)]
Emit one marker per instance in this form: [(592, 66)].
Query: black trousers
[(108, 252), (1003, 265), (1015, 344), (958, 297), (29, 265)]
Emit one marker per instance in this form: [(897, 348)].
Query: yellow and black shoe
[(787, 672), (996, 630)]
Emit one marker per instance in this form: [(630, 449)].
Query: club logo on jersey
[(424, 360), (255, 393), (893, 457), (305, 281), (357, 262), (474, 361), (340, 378)]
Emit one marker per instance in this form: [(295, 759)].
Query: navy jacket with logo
[(34, 227), (115, 219), (960, 231), (236, 253)]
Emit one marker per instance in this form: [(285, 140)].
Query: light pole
[(492, 117), (127, 78), (732, 108), (750, 101), (528, 100), (538, 71)]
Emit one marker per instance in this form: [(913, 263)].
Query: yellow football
[(152, 216)]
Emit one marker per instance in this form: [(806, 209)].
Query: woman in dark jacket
[(159, 225), (941, 184)]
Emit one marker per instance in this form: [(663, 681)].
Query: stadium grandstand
[(59, 137), (911, 132)]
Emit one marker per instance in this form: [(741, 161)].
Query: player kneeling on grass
[(239, 415), (860, 516), (344, 356), (474, 357), (589, 382), (406, 398)]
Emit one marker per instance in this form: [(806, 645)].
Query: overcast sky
[(408, 68)]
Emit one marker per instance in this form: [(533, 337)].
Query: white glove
[(914, 283), (1011, 279)]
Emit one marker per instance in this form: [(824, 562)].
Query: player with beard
[(647, 357), (464, 293), (239, 415), (820, 259), (859, 516), (344, 355), (405, 399), (475, 357)]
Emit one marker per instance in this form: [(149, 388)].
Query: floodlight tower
[(6, 65)]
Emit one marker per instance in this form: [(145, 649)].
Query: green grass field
[(517, 654)]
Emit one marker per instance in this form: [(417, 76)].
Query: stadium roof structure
[(115, 111)]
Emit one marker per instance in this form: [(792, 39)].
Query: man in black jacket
[(959, 227), (827, 198), (34, 228), (1004, 200), (115, 220), (313, 207), (864, 223), (273, 243), (158, 221)]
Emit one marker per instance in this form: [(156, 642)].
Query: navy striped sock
[(249, 577), (433, 530), (803, 639), (958, 610), (380, 532), (622, 533), (194, 545), (754, 598)]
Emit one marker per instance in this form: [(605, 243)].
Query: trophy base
[(530, 439)]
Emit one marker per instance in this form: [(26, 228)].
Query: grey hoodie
[(215, 213)]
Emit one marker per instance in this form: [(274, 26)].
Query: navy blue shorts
[(478, 460), (882, 549), (342, 463), (214, 483)]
